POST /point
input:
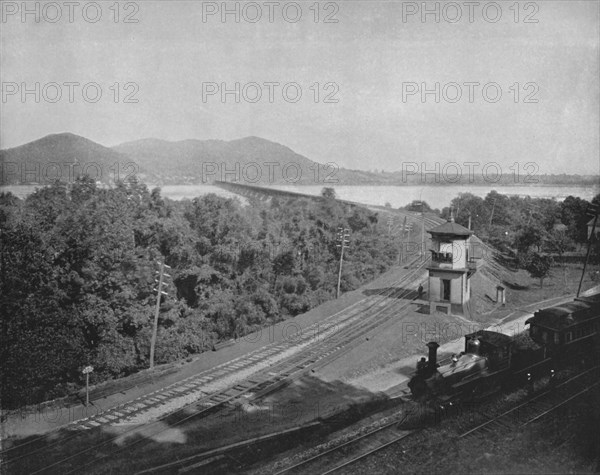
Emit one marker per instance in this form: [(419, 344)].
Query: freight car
[(557, 336)]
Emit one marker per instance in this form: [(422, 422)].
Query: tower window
[(445, 289)]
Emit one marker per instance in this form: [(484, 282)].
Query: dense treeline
[(78, 268), (529, 229), (524, 222)]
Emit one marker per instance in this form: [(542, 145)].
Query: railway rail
[(277, 375), (539, 405), (350, 451), (250, 376), (346, 453), (280, 364)]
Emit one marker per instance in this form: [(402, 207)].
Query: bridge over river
[(265, 193)]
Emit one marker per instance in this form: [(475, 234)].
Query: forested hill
[(78, 268), (58, 156), (212, 159), (250, 160)]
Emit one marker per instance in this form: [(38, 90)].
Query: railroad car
[(568, 331), (557, 337)]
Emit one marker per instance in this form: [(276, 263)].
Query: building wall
[(456, 290), (458, 286), (467, 289), (459, 256), (458, 248), (434, 288)]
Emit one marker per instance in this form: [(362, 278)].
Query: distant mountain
[(251, 160), (64, 156)]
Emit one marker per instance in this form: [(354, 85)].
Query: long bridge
[(263, 193)]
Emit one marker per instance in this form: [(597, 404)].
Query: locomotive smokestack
[(433, 346)]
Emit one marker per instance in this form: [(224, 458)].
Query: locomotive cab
[(486, 353), (496, 347)]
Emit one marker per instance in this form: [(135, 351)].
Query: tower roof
[(450, 227)]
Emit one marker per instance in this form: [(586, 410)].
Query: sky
[(360, 74)]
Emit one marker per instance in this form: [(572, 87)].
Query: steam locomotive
[(557, 336)]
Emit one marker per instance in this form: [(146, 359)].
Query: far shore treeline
[(78, 265)]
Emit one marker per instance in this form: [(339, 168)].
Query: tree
[(539, 267), (328, 193), (560, 242), (468, 204), (82, 263), (284, 263), (573, 215), (528, 236), (497, 206), (548, 213)]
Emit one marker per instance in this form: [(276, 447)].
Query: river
[(397, 196)]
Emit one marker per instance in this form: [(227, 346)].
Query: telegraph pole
[(401, 254), (342, 237), (159, 292), (422, 230), (592, 210)]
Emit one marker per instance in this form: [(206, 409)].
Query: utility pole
[(409, 229), (159, 292), (401, 254), (469, 220), (593, 210), (342, 237), (422, 253), (422, 230)]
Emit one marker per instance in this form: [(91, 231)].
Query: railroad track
[(280, 374), (252, 375), (540, 405), (350, 451), (280, 366)]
